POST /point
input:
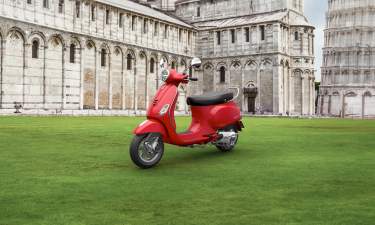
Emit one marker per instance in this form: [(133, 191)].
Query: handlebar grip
[(193, 79)]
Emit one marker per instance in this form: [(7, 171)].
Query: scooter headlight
[(164, 74)]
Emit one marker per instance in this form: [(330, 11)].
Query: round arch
[(165, 58), (17, 31), (90, 44), (174, 63), (105, 46), (367, 94), (208, 66), (220, 64), (37, 34), (131, 52), (154, 56), (57, 38), (251, 64), (266, 62), (117, 50), (350, 93), (183, 63), (236, 64), (142, 54), (76, 41)]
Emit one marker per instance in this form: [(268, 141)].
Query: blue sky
[(315, 11)]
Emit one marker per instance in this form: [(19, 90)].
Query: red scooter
[(216, 119)]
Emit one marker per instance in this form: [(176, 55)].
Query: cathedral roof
[(243, 20), (144, 10), (295, 19)]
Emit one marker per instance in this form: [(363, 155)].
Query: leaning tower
[(348, 70)]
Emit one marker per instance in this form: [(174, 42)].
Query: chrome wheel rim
[(149, 148)]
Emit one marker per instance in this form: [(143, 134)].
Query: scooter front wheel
[(147, 150)]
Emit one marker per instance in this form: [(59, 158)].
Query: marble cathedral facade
[(101, 57)]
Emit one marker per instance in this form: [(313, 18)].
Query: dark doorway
[(251, 92), (251, 104)]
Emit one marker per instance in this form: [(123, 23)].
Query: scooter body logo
[(164, 109)]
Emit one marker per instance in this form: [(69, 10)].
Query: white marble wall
[(50, 81)]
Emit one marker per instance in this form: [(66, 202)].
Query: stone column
[(135, 89), (97, 60), (257, 100), (313, 96), (157, 74), (329, 104), (147, 98), (63, 91), (363, 106), (24, 71), (310, 97), (321, 105), (290, 92), (342, 106), (286, 89), (109, 81), (44, 75), (241, 87), (277, 92), (2, 53), (303, 95), (228, 41), (82, 53), (123, 67), (215, 73)]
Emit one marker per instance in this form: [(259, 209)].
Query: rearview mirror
[(162, 63), (196, 62)]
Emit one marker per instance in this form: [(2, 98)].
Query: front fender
[(151, 126)]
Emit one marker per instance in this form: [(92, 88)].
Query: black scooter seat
[(211, 98)]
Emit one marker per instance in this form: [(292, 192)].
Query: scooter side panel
[(215, 117), (151, 126), (224, 115)]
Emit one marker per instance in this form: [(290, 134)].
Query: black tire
[(228, 148), (139, 142), (225, 149)]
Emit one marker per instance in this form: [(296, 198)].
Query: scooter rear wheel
[(229, 139), (147, 150)]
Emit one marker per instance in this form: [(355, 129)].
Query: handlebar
[(188, 78)]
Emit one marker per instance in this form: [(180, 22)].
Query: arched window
[(129, 62), (35, 49), (152, 65), (103, 57), (222, 74), (45, 4), (72, 53), (61, 6), (296, 36), (173, 65)]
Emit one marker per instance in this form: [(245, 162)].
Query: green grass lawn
[(284, 171)]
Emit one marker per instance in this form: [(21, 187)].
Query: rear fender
[(239, 125), (151, 126)]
